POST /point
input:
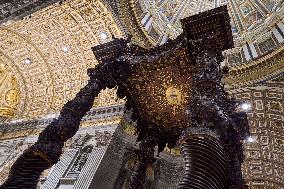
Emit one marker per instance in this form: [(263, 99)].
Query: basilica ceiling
[(44, 57), (44, 54), (257, 25), (257, 28), (160, 19)]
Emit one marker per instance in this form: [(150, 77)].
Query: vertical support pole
[(212, 133), (211, 111), (206, 164), (234, 152)]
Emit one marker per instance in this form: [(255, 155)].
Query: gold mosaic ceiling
[(43, 59)]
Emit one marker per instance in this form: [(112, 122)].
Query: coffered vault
[(49, 53)]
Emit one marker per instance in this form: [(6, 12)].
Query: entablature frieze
[(96, 117), (256, 71)]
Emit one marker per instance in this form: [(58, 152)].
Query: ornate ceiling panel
[(162, 17), (257, 72), (165, 15), (45, 57), (257, 25)]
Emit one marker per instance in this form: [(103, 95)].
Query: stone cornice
[(96, 117), (256, 71)]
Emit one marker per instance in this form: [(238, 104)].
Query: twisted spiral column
[(26, 171), (205, 164)]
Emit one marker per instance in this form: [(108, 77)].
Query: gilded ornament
[(173, 95), (9, 93), (6, 112), (12, 97)]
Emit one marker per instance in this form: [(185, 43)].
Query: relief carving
[(9, 93)]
